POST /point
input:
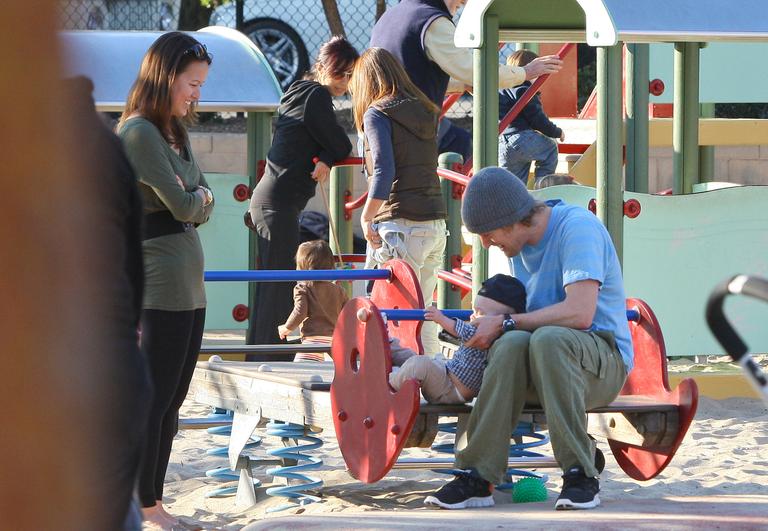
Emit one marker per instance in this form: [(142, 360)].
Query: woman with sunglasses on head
[(176, 199), (404, 215), (305, 129)]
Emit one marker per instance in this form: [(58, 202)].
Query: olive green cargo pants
[(566, 371)]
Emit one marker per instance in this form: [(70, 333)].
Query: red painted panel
[(401, 291), (372, 421), (649, 378), (558, 94)]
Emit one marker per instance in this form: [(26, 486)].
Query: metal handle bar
[(418, 314), (716, 319), (725, 333), (293, 275)]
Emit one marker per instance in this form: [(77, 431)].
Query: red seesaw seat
[(648, 379)]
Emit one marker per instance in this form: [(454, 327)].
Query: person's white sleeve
[(457, 62)]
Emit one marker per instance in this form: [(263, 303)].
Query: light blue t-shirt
[(575, 247)]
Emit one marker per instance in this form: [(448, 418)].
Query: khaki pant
[(566, 371), (422, 245), (436, 385)]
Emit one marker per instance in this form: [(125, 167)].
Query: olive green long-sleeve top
[(173, 264)]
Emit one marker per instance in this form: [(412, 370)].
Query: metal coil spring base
[(226, 473), (520, 449), (293, 473)]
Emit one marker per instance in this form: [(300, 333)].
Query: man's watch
[(508, 324)]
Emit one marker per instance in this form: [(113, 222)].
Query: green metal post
[(449, 296), (340, 192), (259, 138), (707, 153), (485, 151), (610, 200), (685, 119), (637, 79)]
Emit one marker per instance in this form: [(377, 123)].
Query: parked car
[(289, 32)]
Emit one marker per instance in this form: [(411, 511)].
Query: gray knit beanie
[(494, 198)]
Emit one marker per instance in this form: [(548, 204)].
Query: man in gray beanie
[(570, 352)]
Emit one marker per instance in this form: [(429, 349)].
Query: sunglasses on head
[(200, 52)]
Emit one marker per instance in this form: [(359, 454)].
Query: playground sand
[(718, 479)]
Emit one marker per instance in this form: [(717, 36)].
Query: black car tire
[(283, 48)]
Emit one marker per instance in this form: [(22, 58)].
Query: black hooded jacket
[(306, 127), (532, 115)]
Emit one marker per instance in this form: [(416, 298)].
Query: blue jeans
[(518, 150)]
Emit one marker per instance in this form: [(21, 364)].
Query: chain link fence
[(288, 32), (118, 14)]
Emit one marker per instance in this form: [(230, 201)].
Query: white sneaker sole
[(566, 504), (486, 501)]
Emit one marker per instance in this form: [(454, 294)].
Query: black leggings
[(171, 341), (277, 230)]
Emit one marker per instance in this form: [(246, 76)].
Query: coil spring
[(518, 449), (226, 473), (294, 473)]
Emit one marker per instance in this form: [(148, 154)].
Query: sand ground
[(718, 479)]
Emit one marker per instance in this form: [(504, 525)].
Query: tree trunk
[(331, 9), (193, 16), (381, 6)]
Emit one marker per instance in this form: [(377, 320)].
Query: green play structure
[(679, 246), (674, 251)]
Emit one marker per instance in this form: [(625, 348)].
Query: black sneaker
[(579, 491), (467, 489)]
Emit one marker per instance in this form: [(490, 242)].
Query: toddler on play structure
[(531, 136), (316, 303), (458, 379)]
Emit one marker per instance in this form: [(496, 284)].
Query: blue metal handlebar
[(418, 315), (293, 275)]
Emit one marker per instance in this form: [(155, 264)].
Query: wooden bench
[(289, 348)]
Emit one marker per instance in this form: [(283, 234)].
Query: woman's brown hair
[(379, 76), (336, 57), (150, 95), (315, 254)]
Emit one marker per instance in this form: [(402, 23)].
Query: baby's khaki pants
[(431, 373)]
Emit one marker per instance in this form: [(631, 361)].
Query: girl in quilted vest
[(404, 215)]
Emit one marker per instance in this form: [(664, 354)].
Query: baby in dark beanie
[(458, 380)]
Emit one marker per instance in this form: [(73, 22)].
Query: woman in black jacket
[(306, 128)]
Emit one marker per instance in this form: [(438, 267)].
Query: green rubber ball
[(528, 490)]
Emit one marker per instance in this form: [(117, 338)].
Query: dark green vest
[(415, 193)]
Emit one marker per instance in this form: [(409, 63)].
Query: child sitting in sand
[(458, 380), (316, 303)]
